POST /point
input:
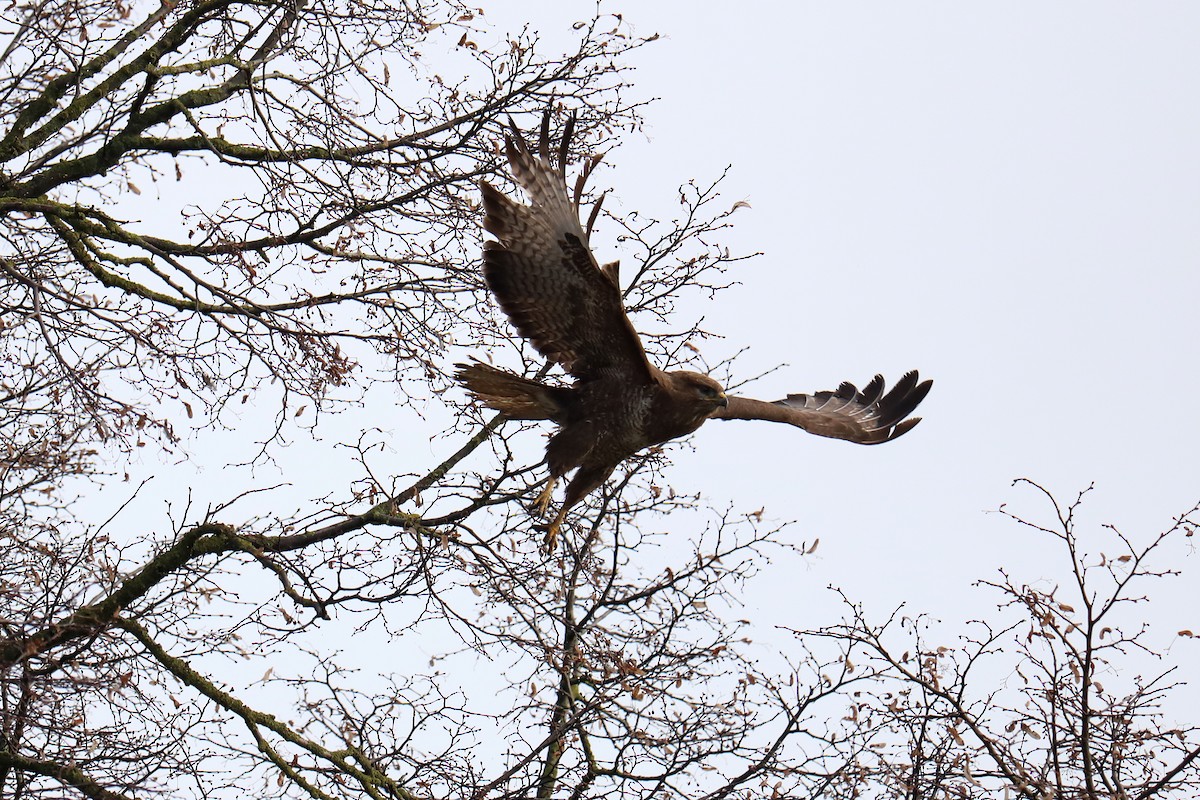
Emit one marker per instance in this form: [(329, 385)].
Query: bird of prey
[(545, 278)]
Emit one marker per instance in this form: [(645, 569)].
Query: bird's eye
[(708, 391)]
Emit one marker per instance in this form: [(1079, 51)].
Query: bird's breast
[(667, 416)]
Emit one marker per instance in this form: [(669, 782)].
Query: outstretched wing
[(543, 273), (866, 417)]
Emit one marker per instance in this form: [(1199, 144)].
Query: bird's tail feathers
[(513, 395)]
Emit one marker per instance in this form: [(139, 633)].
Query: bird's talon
[(541, 506), (552, 532), (550, 540)]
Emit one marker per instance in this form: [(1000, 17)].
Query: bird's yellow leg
[(542, 504), (552, 534)]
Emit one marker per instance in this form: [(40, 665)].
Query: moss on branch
[(65, 774), (350, 760)]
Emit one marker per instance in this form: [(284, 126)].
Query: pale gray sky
[(1003, 195)]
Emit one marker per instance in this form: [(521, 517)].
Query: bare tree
[(1066, 692), (214, 203), (207, 204)]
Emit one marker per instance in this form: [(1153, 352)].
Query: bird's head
[(700, 391)]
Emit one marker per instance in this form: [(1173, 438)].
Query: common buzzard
[(557, 295)]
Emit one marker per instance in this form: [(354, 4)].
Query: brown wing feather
[(866, 417), (545, 277)]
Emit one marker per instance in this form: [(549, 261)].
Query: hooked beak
[(722, 400)]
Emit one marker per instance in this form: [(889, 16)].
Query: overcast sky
[(1003, 195)]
